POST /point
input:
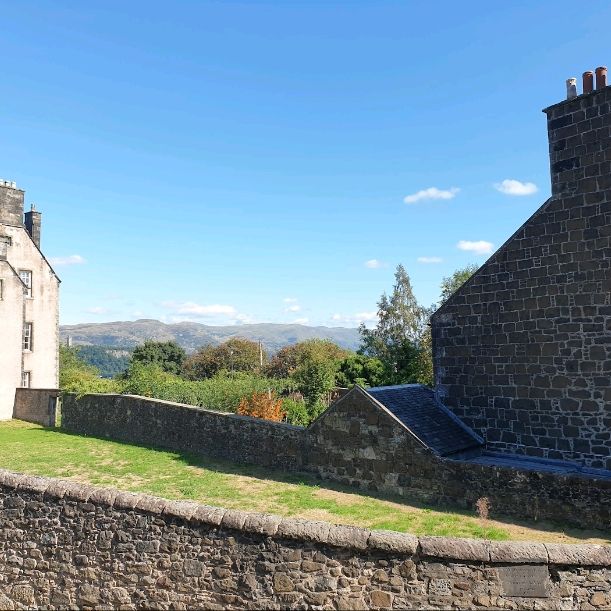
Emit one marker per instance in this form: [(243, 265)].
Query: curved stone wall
[(64, 543)]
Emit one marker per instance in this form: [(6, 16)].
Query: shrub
[(264, 405), (222, 392), (296, 412)]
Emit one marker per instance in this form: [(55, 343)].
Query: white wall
[(42, 310)]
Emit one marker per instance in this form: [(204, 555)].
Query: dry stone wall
[(355, 443), (63, 544)]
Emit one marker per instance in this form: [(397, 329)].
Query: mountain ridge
[(192, 335)]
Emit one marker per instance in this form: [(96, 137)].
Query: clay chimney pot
[(601, 77), (588, 81)]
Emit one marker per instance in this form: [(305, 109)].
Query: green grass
[(29, 448)]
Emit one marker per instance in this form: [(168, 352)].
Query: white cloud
[(515, 187), (301, 321), (243, 319), (293, 308), (97, 310), (70, 260), (290, 300), (196, 309), (355, 319), (480, 247), (374, 264), (429, 260), (431, 193)]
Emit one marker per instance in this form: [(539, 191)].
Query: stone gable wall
[(522, 351), (63, 543), (355, 443)]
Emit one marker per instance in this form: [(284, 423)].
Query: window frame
[(26, 376), (27, 342), (27, 289)]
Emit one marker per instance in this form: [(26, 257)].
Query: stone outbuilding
[(522, 351)]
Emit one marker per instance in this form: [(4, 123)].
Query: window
[(26, 278), (27, 336), (26, 377)]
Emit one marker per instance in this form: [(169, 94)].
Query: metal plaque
[(525, 580)]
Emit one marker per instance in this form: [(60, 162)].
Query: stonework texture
[(522, 351), (63, 544), (36, 405), (355, 443)]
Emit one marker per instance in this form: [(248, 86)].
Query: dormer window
[(26, 278)]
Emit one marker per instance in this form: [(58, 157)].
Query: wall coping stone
[(336, 535)]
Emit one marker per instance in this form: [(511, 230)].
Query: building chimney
[(580, 141), (601, 77), (32, 224), (571, 88), (11, 204)]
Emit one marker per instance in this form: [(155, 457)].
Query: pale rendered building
[(29, 302)]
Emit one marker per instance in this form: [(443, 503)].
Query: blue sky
[(249, 161)]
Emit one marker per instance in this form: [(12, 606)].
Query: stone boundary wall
[(185, 428), (354, 444), (37, 405), (63, 543)]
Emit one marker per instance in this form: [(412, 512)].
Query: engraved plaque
[(525, 580)]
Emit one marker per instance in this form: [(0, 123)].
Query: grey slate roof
[(433, 424)]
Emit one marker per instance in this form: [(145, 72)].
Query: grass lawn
[(32, 449)]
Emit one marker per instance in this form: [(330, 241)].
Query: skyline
[(275, 162)]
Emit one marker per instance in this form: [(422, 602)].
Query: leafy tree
[(452, 283), (76, 376), (360, 369), (314, 378), (236, 354), (169, 356), (400, 337), (286, 361)]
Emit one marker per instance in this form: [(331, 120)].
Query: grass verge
[(29, 448)]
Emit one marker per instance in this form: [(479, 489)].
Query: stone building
[(29, 302), (522, 351)]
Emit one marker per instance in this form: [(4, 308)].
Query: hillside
[(192, 335)]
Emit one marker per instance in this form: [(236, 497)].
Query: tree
[(288, 359), (78, 377), (167, 355), (236, 354), (452, 283), (360, 369), (400, 337)]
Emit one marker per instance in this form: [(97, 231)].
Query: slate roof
[(432, 423)]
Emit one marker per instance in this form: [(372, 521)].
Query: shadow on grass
[(223, 466)]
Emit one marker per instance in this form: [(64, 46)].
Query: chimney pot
[(588, 81), (571, 88), (601, 77)]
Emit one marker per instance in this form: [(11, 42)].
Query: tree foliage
[(452, 283), (287, 360), (76, 376), (400, 339), (360, 369), (236, 354), (262, 405), (169, 356)]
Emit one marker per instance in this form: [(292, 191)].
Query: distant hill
[(192, 335)]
